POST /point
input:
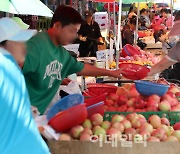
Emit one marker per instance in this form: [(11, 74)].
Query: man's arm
[(161, 66), (90, 70)]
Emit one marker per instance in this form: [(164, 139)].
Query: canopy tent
[(27, 7)]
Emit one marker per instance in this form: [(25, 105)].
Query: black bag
[(141, 44)]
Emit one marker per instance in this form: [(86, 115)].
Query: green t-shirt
[(46, 65)]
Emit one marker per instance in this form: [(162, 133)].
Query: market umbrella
[(29, 7)]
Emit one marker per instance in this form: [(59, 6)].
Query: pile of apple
[(146, 58), (127, 99), (154, 129)]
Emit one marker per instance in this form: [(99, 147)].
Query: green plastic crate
[(173, 117)]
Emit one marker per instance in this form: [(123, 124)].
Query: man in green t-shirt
[(48, 63)]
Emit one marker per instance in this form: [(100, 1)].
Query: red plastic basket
[(134, 71), (65, 120), (100, 89), (96, 99), (129, 50), (96, 108)]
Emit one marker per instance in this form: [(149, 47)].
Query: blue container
[(149, 88), (64, 104)]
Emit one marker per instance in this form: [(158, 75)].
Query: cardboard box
[(85, 147)]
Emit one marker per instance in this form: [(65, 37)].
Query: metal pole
[(114, 22), (119, 41), (137, 20), (172, 6)]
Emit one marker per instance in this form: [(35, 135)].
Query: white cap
[(10, 30)]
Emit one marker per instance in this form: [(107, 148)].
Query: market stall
[(134, 114)]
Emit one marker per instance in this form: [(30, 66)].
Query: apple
[(165, 121), (97, 119), (165, 128), (122, 108), (164, 106), (87, 124), (130, 131), (131, 116), (111, 109), (117, 118), (177, 94), (177, 126), (155, 121), (145, 133), (87, 131), (152, 104), (100, 131), (64, 137), (127, 86), (175, 109), (76, 131), (139, 103), (172, 101), (139, 110), (174, 89), (176, 133), (136, 123), (130, 102), (85, 137), (113, 132), (126, 123), (153, 139), (171, 94), (171, 139), (106, 125), (170, 131), (121, 91), (155, 109), (122, 100), (146, 127), (109, 102), (116, 105), (113, 97), (118, 126), (154, 97), (130, 109), (132, 93), (159, 133), (105, 107), (95, 128), (142, 120)]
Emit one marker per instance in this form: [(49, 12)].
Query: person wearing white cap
[(19, 133), (173, 56)]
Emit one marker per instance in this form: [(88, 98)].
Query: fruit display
[(131, 127), (127, 99), (147, 58)]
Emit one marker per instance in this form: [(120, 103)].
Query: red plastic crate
[(100, 89)]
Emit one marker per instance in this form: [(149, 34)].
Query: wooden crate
[(83, 147)]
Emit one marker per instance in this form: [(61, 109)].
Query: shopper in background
[(173, 56), (167, 18), (89, 34), (145, 18), (128, 32), (48, 63), (19, 133)]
